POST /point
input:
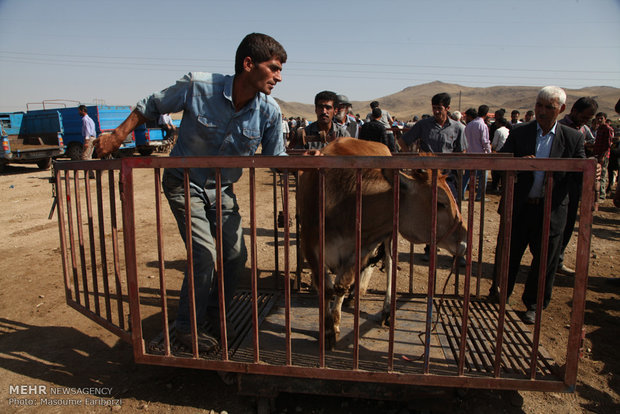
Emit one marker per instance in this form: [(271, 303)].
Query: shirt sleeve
[(272, 141), (460, 144), (412, 135), (169, 100), (484, 134)]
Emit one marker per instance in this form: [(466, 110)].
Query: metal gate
[(274, 326)]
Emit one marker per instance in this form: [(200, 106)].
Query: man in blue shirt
[(88, 133), (222, 115), (542, 138)]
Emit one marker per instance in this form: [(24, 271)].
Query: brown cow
[(377, 221)]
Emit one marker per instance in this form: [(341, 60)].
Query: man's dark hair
[(584, 103), (260, 48), (82, 108), (376, 113), (603, 114), (374, 104), (515, 112), (472, 113), (500, 113), (483, 110), (442, 99), (326, 96), (529, 113)]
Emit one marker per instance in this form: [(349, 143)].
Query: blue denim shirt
[(210, 125)]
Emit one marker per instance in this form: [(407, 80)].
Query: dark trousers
[(574, 194), (527, 226)]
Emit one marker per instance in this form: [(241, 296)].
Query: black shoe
[(461, 261), (529, 317), (493, 295), (426, 257), (206, 342)]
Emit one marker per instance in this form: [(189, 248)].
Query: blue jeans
[(481, 176), (203, 216)]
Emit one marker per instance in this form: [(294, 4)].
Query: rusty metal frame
[(79, 298)]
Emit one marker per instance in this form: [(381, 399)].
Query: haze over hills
[(416, 100)]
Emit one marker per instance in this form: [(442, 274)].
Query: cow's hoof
[(385, 318), (330, 339)]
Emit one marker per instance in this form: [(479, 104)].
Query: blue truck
[(155, 137), (143, 140), (33, 138)]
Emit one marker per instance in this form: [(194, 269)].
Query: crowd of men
[(583, 132), (484, 133)]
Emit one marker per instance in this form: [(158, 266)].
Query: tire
[(146, 151), (44, 164), (74, 151), (3, 164)]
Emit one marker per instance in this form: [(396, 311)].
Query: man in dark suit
[(542, 138)]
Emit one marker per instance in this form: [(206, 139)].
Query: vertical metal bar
[(394, 254), (505, 232), (466, 288), (431, 273), (322, 299), (78, 215), (189, 246), (91, 238), (481, 236), (115, 250), (276, 275), (220, 262), (287, 275), (131, 259), (542, 270), (102, 246), (411, 256), (253, 258), (299, 258), (581, 274), (62, 233), (358, 267), (161, 261)]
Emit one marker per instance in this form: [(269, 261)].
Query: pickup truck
[(106, 118), (31, 138)]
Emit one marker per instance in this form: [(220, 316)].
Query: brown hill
[(416, 100)]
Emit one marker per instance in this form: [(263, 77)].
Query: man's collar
[(551, 131), (228, 94)]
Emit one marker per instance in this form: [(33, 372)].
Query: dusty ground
[(44, 342)]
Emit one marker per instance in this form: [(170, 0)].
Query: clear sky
[(116, 52)]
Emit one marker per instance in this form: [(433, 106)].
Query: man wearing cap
[(341, 116)]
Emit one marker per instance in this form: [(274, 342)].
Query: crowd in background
[(601, 141)]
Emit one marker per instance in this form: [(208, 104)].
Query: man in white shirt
[(88, 132)]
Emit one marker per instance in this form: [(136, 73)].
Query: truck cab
[(31, 138)]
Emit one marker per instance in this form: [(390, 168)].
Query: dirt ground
[(43, 342)]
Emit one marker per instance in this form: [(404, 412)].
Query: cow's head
[(415, 211)]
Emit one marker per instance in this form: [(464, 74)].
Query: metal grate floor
[(409, 346)]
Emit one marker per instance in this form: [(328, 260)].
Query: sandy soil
[(45, 342)]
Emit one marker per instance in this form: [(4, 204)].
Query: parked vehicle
[(155, 138), (31, 138), (106, 118)]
